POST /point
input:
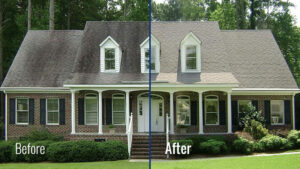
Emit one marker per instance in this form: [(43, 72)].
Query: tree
[(225, 15), (51, 18), (29, 15), (241, 6)]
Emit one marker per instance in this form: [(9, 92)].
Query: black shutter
[(43, 111), (203, 111), (81, 111), (62, 112), (234, 111), (287, 111), (108, 111), (31, 111), (222, 112), (12, 111), (194, 113), (255, 104), (103, 108), (267, 111)]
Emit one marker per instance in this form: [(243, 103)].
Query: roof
[(250, 58)]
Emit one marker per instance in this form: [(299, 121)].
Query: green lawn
[(267, 162)]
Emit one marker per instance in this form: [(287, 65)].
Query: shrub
[(199, 139), (243, 146), (6, 150), (40, 135), (78, 151), (182, 143), (213, 146), (271, 143), (256, 129), (250, 113), (294, 138), (38, 157)]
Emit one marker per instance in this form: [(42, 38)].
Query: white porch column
[(294, 116), (229, 116), (73, 111), (172, 112), (127, 110), (100, 112), (200, 114), (6, 116)]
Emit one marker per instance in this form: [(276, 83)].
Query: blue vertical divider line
[(149, 84)]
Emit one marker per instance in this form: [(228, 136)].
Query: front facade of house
[(81, 83)]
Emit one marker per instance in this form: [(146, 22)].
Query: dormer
[(110, 56), (190, 54), (155, 51)]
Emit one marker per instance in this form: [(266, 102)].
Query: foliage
[(271, 143), (77, 151), (250, 113), (213, 146), (225, 15), (243, 146), (256, 129), (42, 134), (294, 138), (199, 139), (1, 127), (184, 142), (6, 151)]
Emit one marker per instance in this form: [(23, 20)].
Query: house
[(79, 83)]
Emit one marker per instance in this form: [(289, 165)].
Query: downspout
[(5, 135)]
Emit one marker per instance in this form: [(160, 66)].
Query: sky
[(294, 10)]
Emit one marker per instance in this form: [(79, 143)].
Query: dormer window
[(190, 54), (145, 56), (110, 55)]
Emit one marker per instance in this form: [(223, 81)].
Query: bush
[(250, 113), (40, 135), (182, 143), (213, 146), (271, 143), (38, 157), (199, 139), (243, 146), (294, 138), (256, 129), (6, 150), (78, 151)]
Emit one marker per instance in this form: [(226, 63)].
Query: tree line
[(18, 16)]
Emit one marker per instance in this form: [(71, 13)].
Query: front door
[(157, 114)]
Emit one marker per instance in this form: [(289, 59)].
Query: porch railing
[(167, 131), (130, 133)]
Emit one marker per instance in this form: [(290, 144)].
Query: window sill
[(22, 124), (52, 124), (278, 124)]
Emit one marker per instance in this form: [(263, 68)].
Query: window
[(243, 105), (52, 111), (211, 110), (91, 109), (191, 59), (110, 56), (22, 111), (147, 59), (118, 107), (183, 110), (190, 52), (141, 107), (109, 59), (145, 56), (277, 112)]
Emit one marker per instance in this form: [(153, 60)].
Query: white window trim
[(110, 43), (189, 99), (218, 111), (47, 112), (90, 97), (283, 114), (145, 45), (16, 108), (112, 108), (190, 40)]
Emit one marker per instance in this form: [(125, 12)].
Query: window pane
[(211, 118), (22, 117), (52, 105), (118, 104), (109, 64), (277, 111), (119, 117), (52, 117), (191, 61), (243, 105), (153, 57), (91, 104), (109, 59), (118, 110), (91, 117), (183, 111), (22, 104), (211, 106)]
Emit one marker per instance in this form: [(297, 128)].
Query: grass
[(262, 162)]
